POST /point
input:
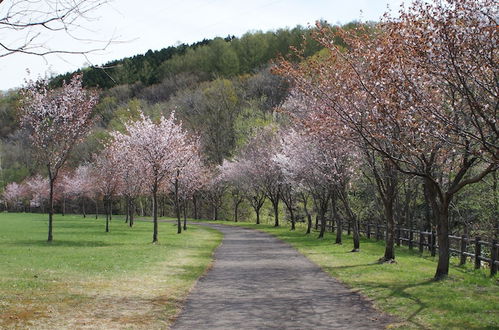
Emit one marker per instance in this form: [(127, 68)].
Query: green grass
[(467, 299), (86, 276)]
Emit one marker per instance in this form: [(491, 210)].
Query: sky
[(134, 27)]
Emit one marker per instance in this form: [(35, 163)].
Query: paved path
[(260, 282)]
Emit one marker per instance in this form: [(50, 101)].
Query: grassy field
[(467, 299), (87, 277)]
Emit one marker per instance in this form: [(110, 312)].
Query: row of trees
[(412, 101)]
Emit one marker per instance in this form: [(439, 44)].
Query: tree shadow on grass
[(62, 243), (399, 291)]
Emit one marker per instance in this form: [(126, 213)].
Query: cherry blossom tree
[(107, 178), (264, 169), (421, 92), (232, 176), (160, 148), (57, 120), (215, 190), (13, 194), (192, 179), (78, 185), (38, 190)]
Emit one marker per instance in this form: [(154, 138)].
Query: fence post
[(494, 251), (463, 250), (478, 252), (433, 246), (411, 236), (421, 241), (398, 235), (377, 232)]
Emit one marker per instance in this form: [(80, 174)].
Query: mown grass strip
[(87, 277)]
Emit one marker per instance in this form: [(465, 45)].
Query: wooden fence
[(463, 246)]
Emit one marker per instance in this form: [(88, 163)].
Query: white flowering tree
[(57, 120)]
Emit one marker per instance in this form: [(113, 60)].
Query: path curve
[(260, 282)]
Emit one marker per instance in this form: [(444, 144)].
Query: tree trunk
[(132, 212), (63, 205), (236, 206), (337, 218), (185, 215), (275, 204), (51, 207), (390, 231), (177, 206), (353, 219), (309, 217), (155, 213), (127, 209), (96, 208), (440, 207), (322, 216), (106, 206), (257, 211)]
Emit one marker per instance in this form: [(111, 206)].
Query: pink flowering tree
[(38, 190), (57, 120), (182, 184), (232, 176), (192, 179), (264, 169), (14, 194), (215, 190), (421, 93), (159, 147), (107, 179), (128, 167), (78, 185)]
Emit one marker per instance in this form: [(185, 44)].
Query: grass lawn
[(467, 299), (89, 278)]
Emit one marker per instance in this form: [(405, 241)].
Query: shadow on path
[(260, 282)]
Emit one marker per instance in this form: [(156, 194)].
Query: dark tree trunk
[(106, 206), (337, 218), (390, 231), (83, 208), (353, 219), (155, 213), (307, 213), (132, 213), (185, 214), (127, 209), (236, 207), (292, 215), (322, 216), (275, 204), (177, 205), (440, 207), (215, 212), (96, 208), (51, 207)]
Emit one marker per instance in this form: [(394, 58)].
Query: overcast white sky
[(155, 24)]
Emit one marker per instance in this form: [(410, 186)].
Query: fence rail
[(462, 246)]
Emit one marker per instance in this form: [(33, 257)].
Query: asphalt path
[(259, 282)]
